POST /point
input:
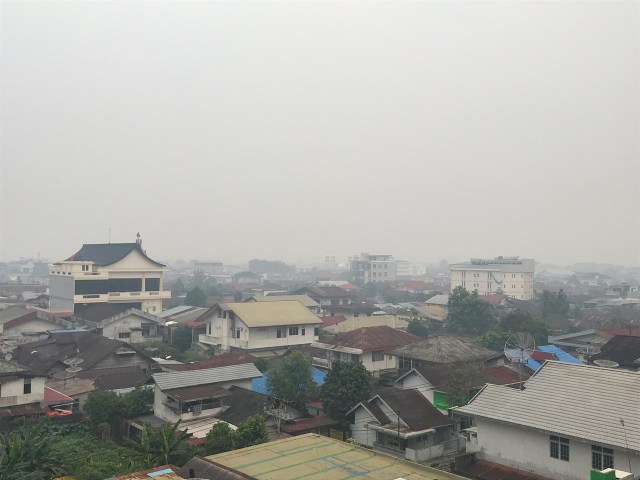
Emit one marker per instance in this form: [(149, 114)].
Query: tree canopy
[(293, 379), (554, 304), (418, 328), (106, 406), (346, 384), (221, 438), (253, 431), (196, 297), (467, 313)]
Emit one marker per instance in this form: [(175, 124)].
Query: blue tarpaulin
[(260, 384)]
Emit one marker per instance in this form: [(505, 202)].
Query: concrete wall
[(35, 325), (61, 292), (125, 324), (388, 362), (514, 284), (529, 450), (11, 393)]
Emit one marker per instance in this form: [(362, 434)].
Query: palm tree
[(161, 446)]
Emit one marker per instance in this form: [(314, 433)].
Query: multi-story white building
[(373, 268), (260, 326), (119, 273), (512, 276)]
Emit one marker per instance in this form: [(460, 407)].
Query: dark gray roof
[(203, 468), (100, 311), (414, 409), (243, 404), (102, 254)]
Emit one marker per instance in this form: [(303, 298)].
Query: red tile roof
[(54, 397), (493, 299), (539, 356), (349, 287), (224, 360), (307, 424), (369, 339), (629, 331), (332, 320), (484, 470)]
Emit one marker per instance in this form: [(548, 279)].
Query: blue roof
[(560, 354), (260, 384)]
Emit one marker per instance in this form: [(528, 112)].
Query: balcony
[(209, 340)]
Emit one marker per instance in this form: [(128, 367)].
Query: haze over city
[(281, 130)]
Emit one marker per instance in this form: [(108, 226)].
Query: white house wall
[(126, 324), (32, 326), (529, 450), (359, 431), (11, 393)]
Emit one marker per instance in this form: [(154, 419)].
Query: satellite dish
[(606, 363), (8, 356), (588, 350), (63, 375), (519, 347), (73, 362)]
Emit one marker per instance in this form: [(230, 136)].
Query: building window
[(293, 330), (210, 327), (279, 333), (124, 335), (316, 332), (355, 358), (377, 356), (601, 458), (559, 448), (303, 331), (237, 333), (27, 386)]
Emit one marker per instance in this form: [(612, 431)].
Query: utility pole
[(398, 413)]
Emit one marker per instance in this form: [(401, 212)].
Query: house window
[(559, 448), (316, 332), (377, 356), (303, 331), (280, 333), (27, 386), (210, 327), (601, 457), (237, 333), (124, 335), (355, 358), (293, 330)]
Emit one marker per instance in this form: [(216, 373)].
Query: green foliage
[(107, 407), (252, 431), (467, 313), (461, 378), (196, 297), (193, 354), (26, 454), (418, 327), (177, 288), (261, 364), (161, 446), (221, 438), (270, 266), (554, 304), (181, 337), (494, 339), (524, 322), (293, 379), (346, 384)]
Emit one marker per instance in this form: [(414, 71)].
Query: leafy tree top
[(293, 379), (467, 313), (346, 384)]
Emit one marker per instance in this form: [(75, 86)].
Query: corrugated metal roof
[(305, 300), (170, 380), (271, 314), (578, 401)]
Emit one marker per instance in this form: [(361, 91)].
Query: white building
[(512, 276), (373, 268), (21, 392), (108, 273), (404, 423), (255, 326), (568, 420), (194, 394), (128, 325)]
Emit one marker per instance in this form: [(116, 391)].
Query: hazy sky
[(292, 130)]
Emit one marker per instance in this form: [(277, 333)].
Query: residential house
[(443, 385), (119, 273), (119, 322), (327, 297), (512, 276), (247, 278), (305, 300), (354, 323), (268, 327), (222, 360), (310, 456), (364, 345), (193, 394), (21, 391), (567, 421), (22, 324), (405, 424), (624, 350), (439, 300), (549, 352), (443, 349)]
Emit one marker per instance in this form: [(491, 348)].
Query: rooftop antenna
[(518, 349)]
